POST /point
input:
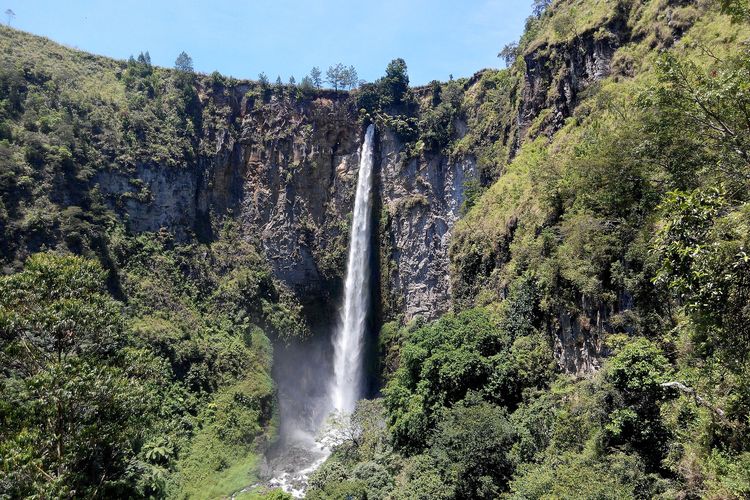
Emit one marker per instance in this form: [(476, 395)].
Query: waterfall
[(348, 340), (301, 452)]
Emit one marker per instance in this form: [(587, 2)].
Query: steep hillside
[(599, 277)]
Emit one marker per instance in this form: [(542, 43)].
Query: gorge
[(527, 283)]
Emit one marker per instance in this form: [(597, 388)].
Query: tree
[(440, 363), (263, 79), (361, 433), (396, 80), (336, 76), (350, 77), (509, 54), (739, 10), (316, 77), (638, 373), (144, 58), (306, 85), (540, 6), (183, 63), (473, 440), (184, 79), (76, 411), (10, 15), (713, 105), (702, 248), (292, 81)]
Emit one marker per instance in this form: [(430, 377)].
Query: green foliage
[(125, 392), (444, 361), (713, 104), (436, 125), (73, 408), (690, 217), (473, 441), (395, 83), (341, 77), (703, 251), (389, 102), (222, 458), (637, 372), (183, 63), (422, 479), (572, 476), (739, 10)]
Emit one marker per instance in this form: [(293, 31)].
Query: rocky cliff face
[(557, 74), (287, 169), (288, 172), (421, 200)]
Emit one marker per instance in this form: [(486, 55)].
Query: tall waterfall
[(348, 341), (300, 453)]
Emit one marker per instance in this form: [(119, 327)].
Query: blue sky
[(286, 37)]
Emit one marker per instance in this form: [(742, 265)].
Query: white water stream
[(348, 342)]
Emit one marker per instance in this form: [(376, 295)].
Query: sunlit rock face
[(421, 200)]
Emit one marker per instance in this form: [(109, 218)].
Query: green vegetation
[(341, 77), (627, 223), (174, 385), (73, 401), (599, 345), (165, 391)]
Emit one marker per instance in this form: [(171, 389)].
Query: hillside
[(560, 269), (612, 248)]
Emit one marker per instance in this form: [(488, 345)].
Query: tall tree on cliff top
[(316, 76), (396, 80), (336, 76), (351, 79), (184, 63)]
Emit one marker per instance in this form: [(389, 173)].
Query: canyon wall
[(286, 169)]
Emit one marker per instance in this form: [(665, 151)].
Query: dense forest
[(598, 339)]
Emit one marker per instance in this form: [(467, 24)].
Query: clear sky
[(286, 37)]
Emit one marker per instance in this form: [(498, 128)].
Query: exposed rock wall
[(287, 169), (290, 174), (421, 201), (557, 74), (153, 197)]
